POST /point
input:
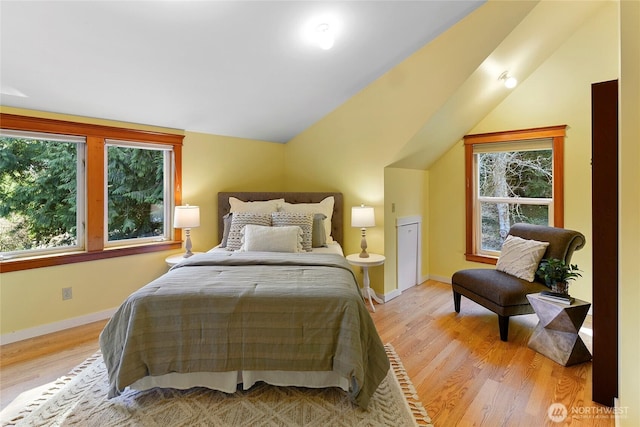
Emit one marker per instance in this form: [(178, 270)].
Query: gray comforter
[(219, 312)]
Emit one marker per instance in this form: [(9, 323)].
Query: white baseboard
[(49, 328), (396, 292), (391, 295), (443, 279)]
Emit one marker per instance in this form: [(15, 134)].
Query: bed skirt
[(228, 381)]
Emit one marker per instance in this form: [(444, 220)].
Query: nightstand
[(373, 261), (172, 260)]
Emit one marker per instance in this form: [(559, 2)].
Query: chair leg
[(456, 301), (503, 323)]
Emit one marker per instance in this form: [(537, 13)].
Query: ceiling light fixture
[(509, 81), (324, 36)]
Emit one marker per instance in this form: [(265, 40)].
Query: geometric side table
[(556, 335)]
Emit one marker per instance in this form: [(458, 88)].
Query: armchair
[(504, 294)]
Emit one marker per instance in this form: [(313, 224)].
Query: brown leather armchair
[(504, 294)]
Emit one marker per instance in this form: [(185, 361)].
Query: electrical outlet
[(66, 293)]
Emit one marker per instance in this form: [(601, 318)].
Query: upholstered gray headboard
[(292, 197)]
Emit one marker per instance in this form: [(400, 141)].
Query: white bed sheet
[(332, 248)]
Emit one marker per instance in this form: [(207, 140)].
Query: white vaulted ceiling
[(235, 68)]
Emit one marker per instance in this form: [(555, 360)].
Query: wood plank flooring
[(462, 372)]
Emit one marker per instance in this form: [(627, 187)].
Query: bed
[(230, 317)]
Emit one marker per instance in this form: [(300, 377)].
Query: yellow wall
[(404, 192), (214, 163), (33, 298), (559, 92), (350, 147), (630, 213)]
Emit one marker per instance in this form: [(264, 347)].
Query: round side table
[(172, 260), (372, 261)]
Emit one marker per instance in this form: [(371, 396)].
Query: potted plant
[(557, 274)]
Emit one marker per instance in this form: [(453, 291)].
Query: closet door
[(408, 250), (604, 134)]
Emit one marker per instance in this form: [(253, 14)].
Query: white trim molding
[(406, 220), (442, 279), (389, 296), (49, 328)]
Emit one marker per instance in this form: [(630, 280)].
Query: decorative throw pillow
[(520, 257), (325, 207), (266, 206), (302, 220), (258, 238), (318, 234), (241, 219), (226, 220)]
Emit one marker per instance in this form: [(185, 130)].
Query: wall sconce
[(509, 81), (363, 216), (187, 217)]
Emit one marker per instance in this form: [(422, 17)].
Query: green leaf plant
[(557, 271)]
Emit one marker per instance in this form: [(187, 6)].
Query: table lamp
[(363, 216), (187, 217)]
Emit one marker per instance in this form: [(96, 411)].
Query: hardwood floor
[(462, 372)]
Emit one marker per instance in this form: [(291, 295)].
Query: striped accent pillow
[(238, 221), (520, 257), (325, 207), (302, 220)]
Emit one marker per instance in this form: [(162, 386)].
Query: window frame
[(95, 137), (555, 133), (80, 178), (167, 185), (505, 147)]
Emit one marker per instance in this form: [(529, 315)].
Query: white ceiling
[(234, 68)]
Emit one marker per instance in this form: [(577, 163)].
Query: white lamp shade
[(362, 216), (186, 216)]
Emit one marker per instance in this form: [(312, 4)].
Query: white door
[(408, 240)]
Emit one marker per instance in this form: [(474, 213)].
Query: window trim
[(555, 133), (80, 145), (167, 184), (96, 136)]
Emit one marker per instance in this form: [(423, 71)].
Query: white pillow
[(266, 206), (318, 233), (520, 257), (271, 239), (323, 207)]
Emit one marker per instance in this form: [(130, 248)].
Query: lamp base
[(363, 245), (187, 245)]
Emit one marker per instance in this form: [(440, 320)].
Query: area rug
[(79, 399)]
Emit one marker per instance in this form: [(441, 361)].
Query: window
[(75, 192), (514, 176), (42, 193), (138, 193)]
